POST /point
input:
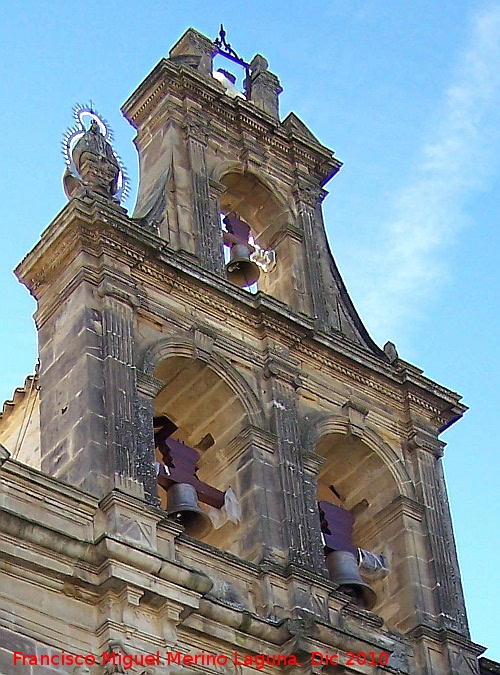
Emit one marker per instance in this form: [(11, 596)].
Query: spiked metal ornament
[(85, 116)]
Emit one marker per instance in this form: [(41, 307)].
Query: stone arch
[(214, 412), (364, 475), (256, 198), (269, 209), (187, 347), (339, 425)]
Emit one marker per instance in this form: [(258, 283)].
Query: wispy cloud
[(457, 161)]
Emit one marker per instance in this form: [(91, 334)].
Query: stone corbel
[(282, 370), (129, 600), (356, 413), (169, 615), (203, 343), (114, 647), (253, 154)]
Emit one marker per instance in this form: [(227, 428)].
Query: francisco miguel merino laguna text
[(256, 661)]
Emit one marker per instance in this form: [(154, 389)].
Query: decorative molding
[(148, 385)]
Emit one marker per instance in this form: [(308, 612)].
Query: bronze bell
[(343, 570), (182, 506), (242, 271)]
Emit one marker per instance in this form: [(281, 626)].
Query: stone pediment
[(294, 124)]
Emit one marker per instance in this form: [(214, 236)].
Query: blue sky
[(406, 93)]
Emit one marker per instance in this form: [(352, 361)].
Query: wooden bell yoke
[(180, 464)]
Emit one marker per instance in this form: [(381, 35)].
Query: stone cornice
[(443, 635), (181, 82)]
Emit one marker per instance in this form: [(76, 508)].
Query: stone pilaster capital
[(312, 461), (419, 439), (307, 192), (117, 292), (196, 126), (148, 385), (216, 188)]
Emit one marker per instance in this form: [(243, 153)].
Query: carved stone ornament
[(308, 193), (91, 162)]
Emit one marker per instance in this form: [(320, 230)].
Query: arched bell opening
[(278, 244), (196, 417), (366, 513)]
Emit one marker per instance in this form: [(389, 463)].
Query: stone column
[(206, 226), (426, 454)]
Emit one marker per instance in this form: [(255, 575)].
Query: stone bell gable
[(225, 464), (203, 153)]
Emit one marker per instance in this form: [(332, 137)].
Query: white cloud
[(455, 163)]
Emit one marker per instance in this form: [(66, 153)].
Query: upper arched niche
[(255, 201), (199, 402), (272, 220), (364, 476)]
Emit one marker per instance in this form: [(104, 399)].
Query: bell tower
[(270, 479)]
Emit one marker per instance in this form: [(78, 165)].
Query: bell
[(241, 271), (182, 506), (343, 570)]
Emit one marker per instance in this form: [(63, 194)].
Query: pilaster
[(206, 227), (426, 452), (301, 527), (147, 388), (308, 198)]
